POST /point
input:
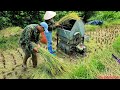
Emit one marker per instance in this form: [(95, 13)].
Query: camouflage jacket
[(29, 36)]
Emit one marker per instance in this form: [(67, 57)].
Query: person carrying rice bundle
[(29, 36)]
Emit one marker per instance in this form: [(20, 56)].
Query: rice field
[(11, 56)]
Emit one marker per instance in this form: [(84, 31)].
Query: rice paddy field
[(97, 64)]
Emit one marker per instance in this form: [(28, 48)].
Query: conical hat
[(49, 15)]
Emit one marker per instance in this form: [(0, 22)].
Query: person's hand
[(38, 46), (57, 25), (35, 49)]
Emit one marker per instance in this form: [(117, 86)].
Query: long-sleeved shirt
[(51, 24), (29, 35)]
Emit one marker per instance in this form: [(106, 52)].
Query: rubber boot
[(51, 50), (54, 54)]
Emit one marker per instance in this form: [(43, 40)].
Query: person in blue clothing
[(48, 17)]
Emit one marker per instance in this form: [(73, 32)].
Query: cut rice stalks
[(52, 65), (69, 16)]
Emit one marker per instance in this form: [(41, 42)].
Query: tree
[(87, 14)]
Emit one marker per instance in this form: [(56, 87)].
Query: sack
[(43, 38)]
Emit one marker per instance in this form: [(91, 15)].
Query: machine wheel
[(76, 38)]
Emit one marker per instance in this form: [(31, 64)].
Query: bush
[(105, 15), (4, 22), (19, 18), (23, 18)]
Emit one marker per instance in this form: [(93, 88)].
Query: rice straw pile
[(69, 16), (52, 65)]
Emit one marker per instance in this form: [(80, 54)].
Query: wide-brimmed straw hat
[(49, 14)]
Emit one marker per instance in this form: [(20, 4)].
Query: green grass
[(106, 24), (111, 23), (9, 38), (10, 31), (116, 44), (100, 63), (9, 42), (91, 27)]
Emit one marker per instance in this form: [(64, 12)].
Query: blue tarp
[(95, 22)]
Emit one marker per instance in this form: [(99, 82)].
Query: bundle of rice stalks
[(52, 65), (69, 16)]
